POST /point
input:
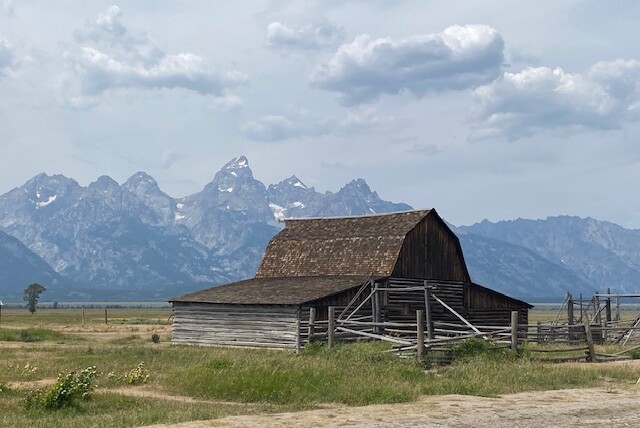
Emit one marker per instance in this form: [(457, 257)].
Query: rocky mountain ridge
[(133, 240), (136, 237), (600, 253)]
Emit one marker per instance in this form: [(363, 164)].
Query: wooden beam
[(312, 324), (375, 336), (355, 298), (456, 314), (592, 352), (427, 311), (514, 331), (331, 331), (570, 315), (420, 331)]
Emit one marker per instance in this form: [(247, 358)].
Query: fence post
[(570, 316), (83, 317), (106, 320), (331, 327), (377, 310), (581, 309), (617, 308), (427, 311), (298, 331), (608, 305), (514, 331), (420, 331), (587, 333), (312, 324)]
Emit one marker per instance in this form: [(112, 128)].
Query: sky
[(483, 110)]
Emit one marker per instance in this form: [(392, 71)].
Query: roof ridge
[(425, 211)]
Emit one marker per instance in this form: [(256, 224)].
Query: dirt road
[(571, 408)]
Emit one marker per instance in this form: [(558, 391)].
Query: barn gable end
[(432, 251)]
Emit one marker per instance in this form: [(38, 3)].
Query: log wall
[(402, 305), (206, 324), (496, 316)]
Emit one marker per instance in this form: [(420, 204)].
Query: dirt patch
[(32, 384), (143, 392), (571, 408)]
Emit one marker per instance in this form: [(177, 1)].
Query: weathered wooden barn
[(378, 267)]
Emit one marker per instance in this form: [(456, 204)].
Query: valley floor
[(193, 387)]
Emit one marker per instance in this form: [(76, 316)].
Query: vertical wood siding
[(431, 251)]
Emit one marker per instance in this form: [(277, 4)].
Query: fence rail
[(411, 338)]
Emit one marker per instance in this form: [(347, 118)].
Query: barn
[(378, 267)]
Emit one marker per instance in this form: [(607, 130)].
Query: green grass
[(351, 374), (73, 317), (111, 410), (354, 374), (34, 334), (484, 376)]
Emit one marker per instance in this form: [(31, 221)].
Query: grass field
[(191, 383)]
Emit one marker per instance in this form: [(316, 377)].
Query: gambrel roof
[(358, 246)]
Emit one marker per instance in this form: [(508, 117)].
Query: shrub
[(155, 338), (66, 392), (25, 336), (137, 375)]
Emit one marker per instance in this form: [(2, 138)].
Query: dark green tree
[(31, 296)]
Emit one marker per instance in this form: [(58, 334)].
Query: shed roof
[(275, 291), (361, 245)]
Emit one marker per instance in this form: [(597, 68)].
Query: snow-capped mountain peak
[(236, 163), (294, 181)]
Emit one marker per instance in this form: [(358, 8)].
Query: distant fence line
[(90, 305)]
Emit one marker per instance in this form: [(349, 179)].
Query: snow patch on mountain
[(47, 202)]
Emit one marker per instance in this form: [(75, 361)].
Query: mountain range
[(133, 241)]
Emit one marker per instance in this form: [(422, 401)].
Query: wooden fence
[(421, 338)]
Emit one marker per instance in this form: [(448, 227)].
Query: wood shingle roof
[(274, 291), (358, 246)]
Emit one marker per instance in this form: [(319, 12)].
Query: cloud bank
[(541, 98), (108, 56), (460, 57), (309, 37), (271, 128)]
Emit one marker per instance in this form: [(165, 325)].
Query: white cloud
[(540, 98), (460, 57), (308, 37), (108, 56), (272, 128)]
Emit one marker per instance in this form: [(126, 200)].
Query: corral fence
[(558, 340)]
